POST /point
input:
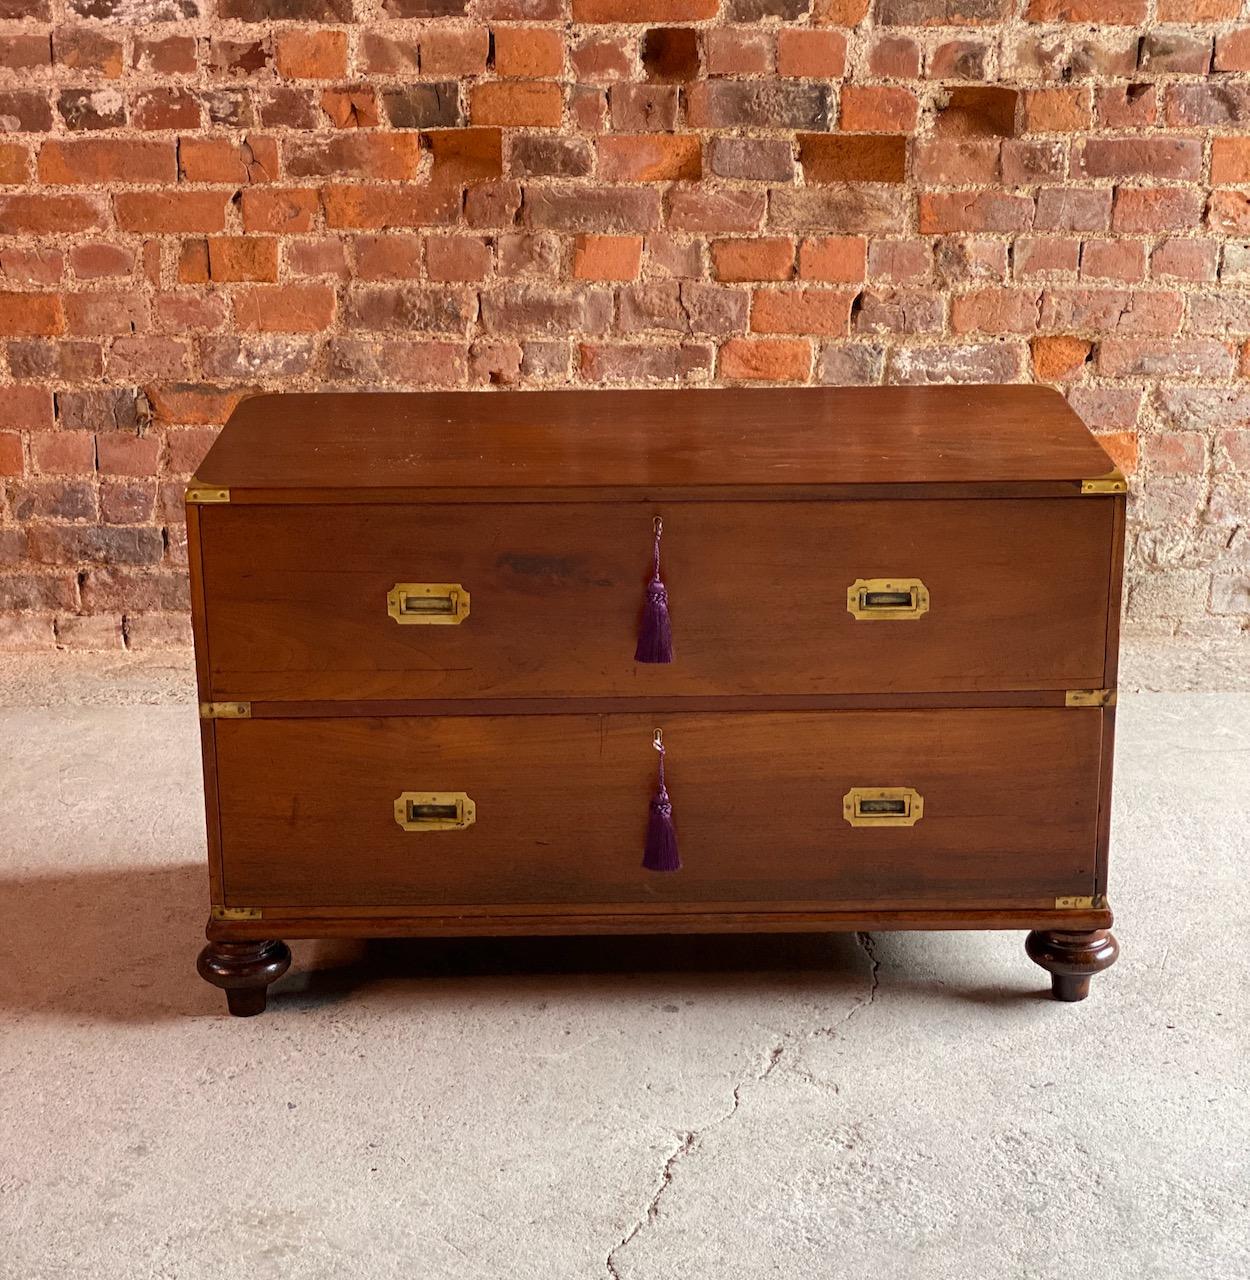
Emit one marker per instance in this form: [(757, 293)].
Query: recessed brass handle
[(878, 599), (883, 806), (435, 811), (431, 604)]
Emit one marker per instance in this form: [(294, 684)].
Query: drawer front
[(560, 806), (297, 598)]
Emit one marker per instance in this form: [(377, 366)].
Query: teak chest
[(886, 639)]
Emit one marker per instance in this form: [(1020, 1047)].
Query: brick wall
[(199, 200)]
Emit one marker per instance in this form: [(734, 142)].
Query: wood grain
[(297, 599), (765, 439), (1011, 806)]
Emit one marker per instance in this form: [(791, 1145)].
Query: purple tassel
[(661, 851), (655, 635)]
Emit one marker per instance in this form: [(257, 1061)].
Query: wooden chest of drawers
[(888, 700)]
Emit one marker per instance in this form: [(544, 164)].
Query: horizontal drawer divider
[(322, 709)]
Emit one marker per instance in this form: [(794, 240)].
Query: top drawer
[(296, 598)]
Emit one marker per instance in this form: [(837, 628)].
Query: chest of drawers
[(887, 701)]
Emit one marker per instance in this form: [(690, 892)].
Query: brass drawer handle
[(435, 811), (876, 599), (431, 604), (883, 806)]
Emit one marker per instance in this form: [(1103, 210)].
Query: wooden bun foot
[(1072, 959), (244, 971)]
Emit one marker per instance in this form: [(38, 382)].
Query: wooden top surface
[(747, 439)]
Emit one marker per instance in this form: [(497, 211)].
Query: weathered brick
[(607, 210), (393, 257), (670, 55), (457, 258), (928, 13), (737, 51), (1134, 157), (643, 362), (1230, 159), (538, 309), (291, 308), (33, 314), (765, 360), (424, 106), (834, 259), (877, 109), (974, 362), (540, 155), (837, 209), (760, 258), (651, 157), (171, 211), (1162, 357), (607, 257), (355, 155), (643, 10), (811, 54), (848, 157), (975, 211), (44, 215), (530, 52), (279, 209), (903, 311), (455, 51), (377, 207), (1140, 209), (721, 104), (86, 161), (406, 308), (751, 159), (722, 210), (952, 162), (1215, 102)]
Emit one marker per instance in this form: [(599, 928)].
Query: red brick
[(975, 211), (31, 314), (12, 461), (112, 311), (654, 157), (285, 210), (823, 311), (1129, 106), (607, 257), (1156, 209), (737, 51), (453, 258), (762, 258), (1229, 211), (840, 13), (25, 52), (1113, 260), (643, 362), (324, 256), (242, 258), (1057, 110), (520, 102), (27, 408), (311, 54), (64, 453), (530, 52), (1122, 12), (97, 261), (995, 311), (14, 164), (765, 360), (84, 161), (1165, 358), (1122, 446), (354, 108), (46, 215), (726, 210), (171, 211), (377, 207), (808, 54), (894, 58), (31, 266), (385, 55), (597, 59), (454, 51), (126, 455), (1232, 50), (170, 56), (165, 108), (849, 157), (670, 55), (644, 10), (833, 258), (1138, 157), (955, 162), (465, 155), (191, 404), (1230, 160), (291, 308), (224, 160), (646, 108), (877, 109), (357, 155), (1178, 259), (1059, 358)]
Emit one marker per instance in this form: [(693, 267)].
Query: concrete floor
[(577, 1110)]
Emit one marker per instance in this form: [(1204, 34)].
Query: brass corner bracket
[(225, 710), (200, 493), (1112, 482), (235, 913), (1089, 698)]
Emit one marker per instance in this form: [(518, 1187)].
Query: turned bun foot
[(1072, 959), (244, 970)]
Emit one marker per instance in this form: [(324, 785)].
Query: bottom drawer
[(1009, 809)]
